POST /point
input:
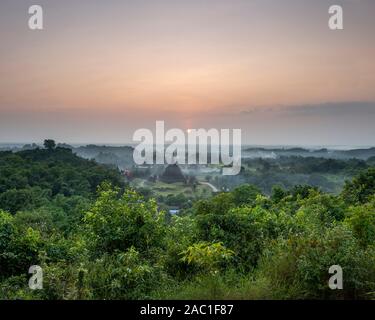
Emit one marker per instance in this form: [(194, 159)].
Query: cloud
[(348, 108), (334, 109)]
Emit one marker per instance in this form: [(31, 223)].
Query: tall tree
[(49, 144)]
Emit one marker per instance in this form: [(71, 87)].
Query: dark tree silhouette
[(49, 144)]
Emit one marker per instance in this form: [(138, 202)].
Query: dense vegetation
[(97, 239), (287, 171)]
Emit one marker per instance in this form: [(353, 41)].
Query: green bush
[(118, 222), (18, 248), (298, 267)]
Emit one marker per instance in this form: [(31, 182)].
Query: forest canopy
[(96, 238)]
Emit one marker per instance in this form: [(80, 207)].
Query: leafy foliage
[(110, 242), (361, 188), (207, 256), (118, 222)]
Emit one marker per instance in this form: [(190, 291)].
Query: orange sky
[(188, 62)]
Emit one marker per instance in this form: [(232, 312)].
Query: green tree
[(49, 144), (118, 222), (18, 248), (207, 256), (245, 195), (361, 188), (361, 219)]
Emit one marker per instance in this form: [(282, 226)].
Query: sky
[(99, 70)]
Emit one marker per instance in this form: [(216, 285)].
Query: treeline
[(328, 175), (235, 245), (31, 178)]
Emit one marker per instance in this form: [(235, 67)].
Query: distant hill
[(30, 177), (259, 152), (121, 157)]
